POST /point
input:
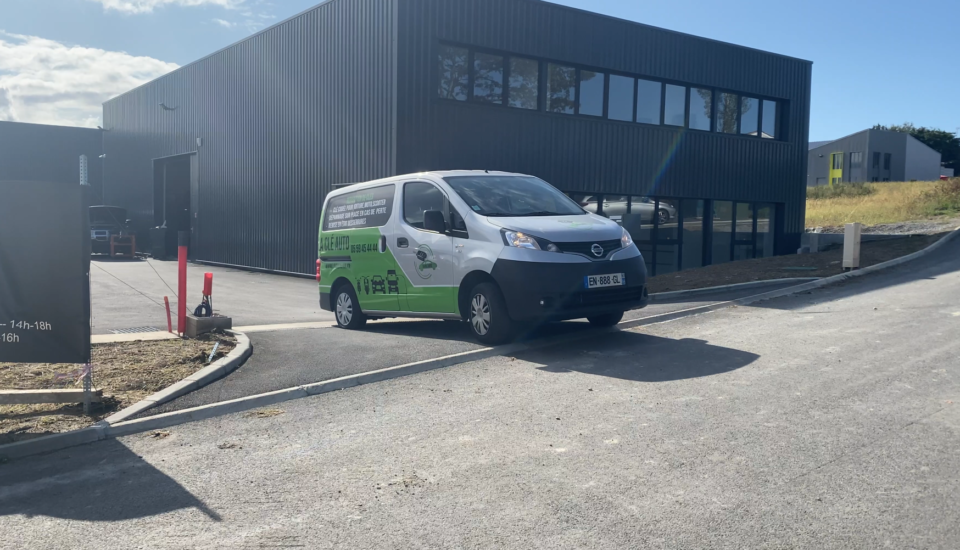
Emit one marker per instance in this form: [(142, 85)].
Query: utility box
[(851, 246), (202, 325)]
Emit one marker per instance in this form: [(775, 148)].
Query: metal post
[(183, 238)]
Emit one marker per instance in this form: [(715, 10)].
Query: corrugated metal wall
[(282, 116), (38, 152), (599, 155)]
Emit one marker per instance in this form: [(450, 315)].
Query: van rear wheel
[(606, 320), (347, 308), (487, 315)]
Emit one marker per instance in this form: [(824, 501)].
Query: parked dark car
[(106, 221)]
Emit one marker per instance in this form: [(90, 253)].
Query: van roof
[(346, 187)]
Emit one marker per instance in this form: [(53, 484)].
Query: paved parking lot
[(826, 420)]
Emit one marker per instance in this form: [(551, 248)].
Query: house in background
[(872, 155)]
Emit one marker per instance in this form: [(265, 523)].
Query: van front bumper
[(537, 290)]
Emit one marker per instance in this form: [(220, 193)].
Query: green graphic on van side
[(381, 285)]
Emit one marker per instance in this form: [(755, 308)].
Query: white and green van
[(495, 249)]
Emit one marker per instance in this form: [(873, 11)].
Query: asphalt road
[(828, 420), (289, 358)]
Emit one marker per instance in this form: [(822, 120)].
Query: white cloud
[(225, 23), (147, 6), (47, 82)]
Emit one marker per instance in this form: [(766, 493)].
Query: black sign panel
[(360, 209), (44, 273)]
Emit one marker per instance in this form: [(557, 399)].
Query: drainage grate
[(135, 330)]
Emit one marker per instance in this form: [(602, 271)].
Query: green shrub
[(840, 190), (944, 199)]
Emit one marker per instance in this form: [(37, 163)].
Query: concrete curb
[(199, 379), (102, 429), (105, 430), (661, 296)]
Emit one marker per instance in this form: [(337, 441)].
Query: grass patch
[(886, 202)]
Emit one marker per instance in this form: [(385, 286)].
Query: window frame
[(543, 64)]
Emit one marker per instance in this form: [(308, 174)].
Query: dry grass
[(890, 202)]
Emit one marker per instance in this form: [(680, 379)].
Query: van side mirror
[(433, 221)]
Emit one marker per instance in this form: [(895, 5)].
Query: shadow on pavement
[(104, 481), (944, 261), (640, 357), (460, 332)]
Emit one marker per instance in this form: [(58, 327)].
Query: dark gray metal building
[(40, 152), (872, 155), (698, 146)]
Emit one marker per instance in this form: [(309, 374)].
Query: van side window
[(458, 227), (360, 209), (418, 197)]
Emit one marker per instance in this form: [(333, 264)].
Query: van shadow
[(103, 481), (460, 331), (639, 357)]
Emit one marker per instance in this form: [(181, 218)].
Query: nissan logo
[(597, 250)]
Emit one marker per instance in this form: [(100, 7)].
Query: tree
[(941, 141)]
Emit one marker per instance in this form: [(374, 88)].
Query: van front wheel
[(606, 320), (347, 309), (488, 317)]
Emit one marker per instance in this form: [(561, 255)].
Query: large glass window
[(692, 213), (727, 112), (886, 161), (648, 101), (876, 160), (591, 93), (488, 78), (524, 83), (765, 227), (621, 98), (675, 106), (454, 72), (743, 232), (770, 120), (701, 108), (508, 196), (419, 197), (749, 116), (722, 231), (561, 89)]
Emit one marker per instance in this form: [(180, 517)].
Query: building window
[(691, 212), (701, 108), (727, 112), (771, 122), (524, 83), (836, 161), (743, 241), (591, 93), (648, 101), (488, 78), (766, 222), (454, 73), (722, 231), (561, 89), (856, 160), (620, 106), (749, 116), (886, 161), (876, 160), (675, 105)]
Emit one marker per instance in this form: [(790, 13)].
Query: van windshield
[(512, 196)]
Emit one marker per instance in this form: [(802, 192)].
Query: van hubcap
[(344, 309), (480, 314)]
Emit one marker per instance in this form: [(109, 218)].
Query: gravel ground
[(920, 227), (126, 372)]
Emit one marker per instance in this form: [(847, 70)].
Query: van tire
[(346, 308), (606, 320), (487, 315)]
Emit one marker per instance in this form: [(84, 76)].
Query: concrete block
[(202, 325)]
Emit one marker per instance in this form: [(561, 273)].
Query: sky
[(875, 61)]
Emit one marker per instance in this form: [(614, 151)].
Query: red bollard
[(208, 284), (183, 241)]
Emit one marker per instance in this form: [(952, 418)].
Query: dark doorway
[(173, 206)]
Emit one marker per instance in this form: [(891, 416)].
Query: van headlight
[(626, 240), (518, 239)]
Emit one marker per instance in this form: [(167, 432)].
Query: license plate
[(603, 281)]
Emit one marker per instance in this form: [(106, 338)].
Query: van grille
[(583, 248)]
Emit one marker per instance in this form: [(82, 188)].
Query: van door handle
[(403, 243)]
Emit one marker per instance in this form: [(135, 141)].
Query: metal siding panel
[(284, 115), (580, 154), (38, 152)]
